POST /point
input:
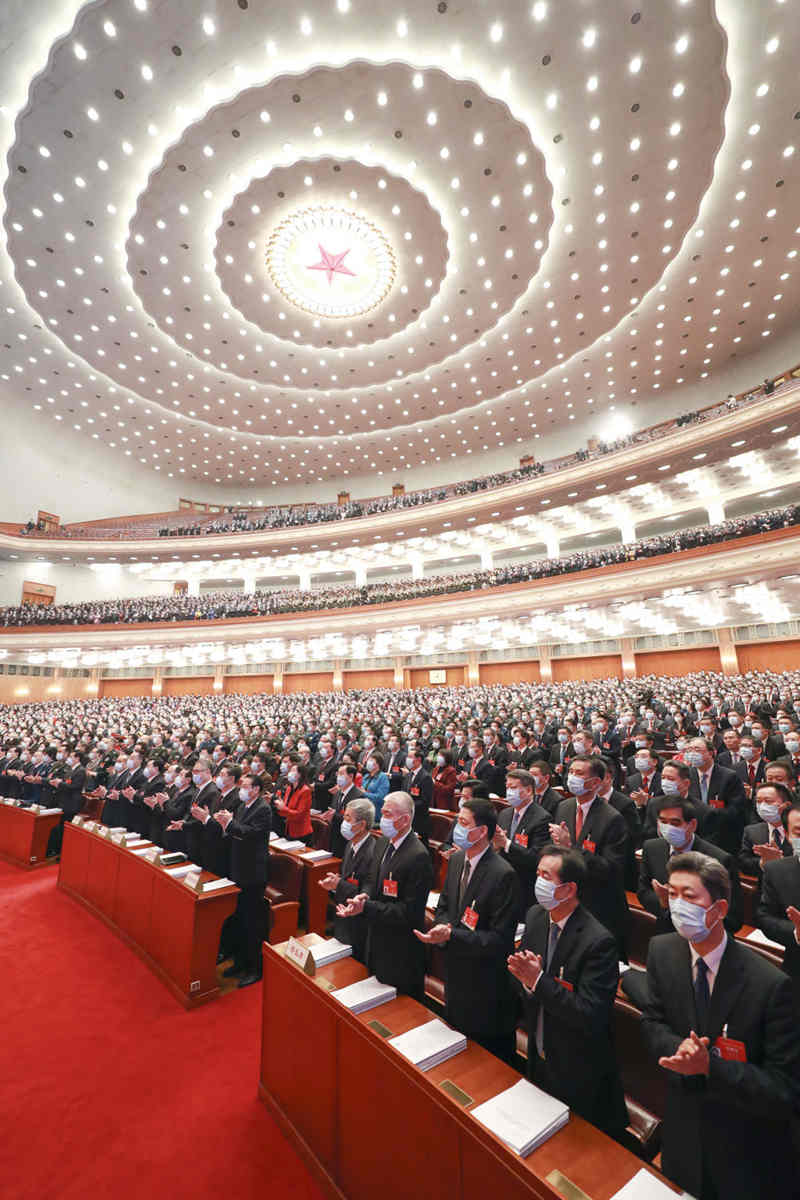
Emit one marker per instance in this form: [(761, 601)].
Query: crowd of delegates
[(290, 516), (218, 605), (671, 787)]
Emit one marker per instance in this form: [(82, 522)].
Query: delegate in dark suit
[(759, 834), (579, 1062), (357, 871), (339, 803), (393, 953), (724, 813), (730, 1127), (247, 838), (419, 786), (526, 838), (656, 853), (603, 842), (207, 797), (478, 996), (780, 889)]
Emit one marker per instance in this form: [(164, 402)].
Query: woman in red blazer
[(296, 808), (444, 781)]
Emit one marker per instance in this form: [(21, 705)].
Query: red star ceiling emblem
[(331, 264)]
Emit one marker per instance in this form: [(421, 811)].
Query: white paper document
[(761, 939), (316, 855), (178, 872), (644, 1186), (366, 994), (523, 1116), (433, 899), (429, 1044), (49, 812), (286, 844), (132, 845), (214, 885), (139, 853), (331, 950)]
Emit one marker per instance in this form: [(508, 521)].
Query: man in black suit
[(731, 756), (144, 798), (522, 830), (216, 847), (766, 839), (677, 834), (396, 762), (68, 796), (419, 786), (566, 972), (177, 809), (721, 797), (345, 791), (778, 911), (542, 775), (247, 833), (719, 1019), (394, 905), (606, 739), (479, 766), (755, 763), (644, 782), (323, 777), (474, 924), (629, 811), (204, 804), (359, 863), (134, 781), (599, 832), (115, 805), (497, 755)]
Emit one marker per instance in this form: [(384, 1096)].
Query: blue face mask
[(461, 837), (388, 828), (669, 786), (545, 892), (694, 758), (672, 834), (346, 830), (576, 785), (689, 920)]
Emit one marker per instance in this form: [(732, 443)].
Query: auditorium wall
[(116, 688), (308, 681), (27, 689), (769, 656), (250, 685), (679, 662), (354, 680), (602, 666), (510, 672), (76, 583)]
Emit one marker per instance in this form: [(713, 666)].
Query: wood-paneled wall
[(189, 685), (601, 667), (510, 672), (251, 685), (125, 687), (368, 679), (41, 687), (769, 656), (308, 681), (420, 676), (678, 662)]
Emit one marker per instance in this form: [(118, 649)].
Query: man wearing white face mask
[(474, 925), (523, 829), (778, 912), (394, 902), (720, 795), (766, 839), (719, 1020), (566, 972), (359, 861), (246, 835)]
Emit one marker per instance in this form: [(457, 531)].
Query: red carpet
[(107, 1086)]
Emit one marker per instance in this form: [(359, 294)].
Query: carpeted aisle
[(107, 1086)]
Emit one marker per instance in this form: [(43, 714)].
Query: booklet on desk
[(287, 844), (316, 855), (429, 1044), (523, 1116), (331, 950), (366, 994), (761, 939), (644, 1186)]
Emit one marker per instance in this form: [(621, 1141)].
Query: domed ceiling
[(249, 243)]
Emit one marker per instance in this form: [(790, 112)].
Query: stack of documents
[(286, 844), (523, 1116), (429, 1044), (644, 1186), (316, 855), (330, 951), (178, 872), (366, 994), (214, 885), (48, 812), (761, 939)]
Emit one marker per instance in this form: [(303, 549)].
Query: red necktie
[(752, 773), (578, 821)]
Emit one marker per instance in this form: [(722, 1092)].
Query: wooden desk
[(314, 898), (175, 930), (24, 836), (339, 1091)]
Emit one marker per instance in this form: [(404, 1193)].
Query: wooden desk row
[(24, 835), (371, 1124), (174, 929)]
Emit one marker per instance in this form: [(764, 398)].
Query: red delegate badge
[(390, 888), (521, 839), (730, 1049), (589, 845), (470, 917)]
